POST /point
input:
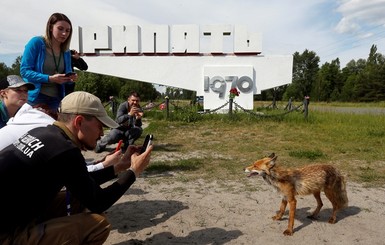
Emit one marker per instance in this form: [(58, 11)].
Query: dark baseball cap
[(14, 81)]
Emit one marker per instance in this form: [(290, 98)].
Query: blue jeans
[(128, 135)]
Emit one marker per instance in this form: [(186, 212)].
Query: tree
[(146, 91), (350, 76), (16, 66), (305, 68), (4, 70), (329, 83), (100, 85), (370, 81), (13, 70)]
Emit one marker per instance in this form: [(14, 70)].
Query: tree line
[(359, 81)]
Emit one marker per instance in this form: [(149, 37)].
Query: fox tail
[(339, 192)]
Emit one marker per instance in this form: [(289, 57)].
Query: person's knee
[(114, 136), (98, 227), (84, 228), (102, 222), (136, 132)]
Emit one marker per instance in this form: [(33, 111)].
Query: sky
[(344, 29)]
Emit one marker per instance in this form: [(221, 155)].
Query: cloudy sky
[(332, 28)]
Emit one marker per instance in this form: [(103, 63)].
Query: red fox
[(308, 180)]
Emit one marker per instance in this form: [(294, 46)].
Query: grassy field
[(218, 147)]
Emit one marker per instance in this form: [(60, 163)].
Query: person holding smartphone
[(129, 117), (46, 61), (77, 62), (36, 167)]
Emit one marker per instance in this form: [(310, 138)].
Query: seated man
[(13, 94), (129, 118)]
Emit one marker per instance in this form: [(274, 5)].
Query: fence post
[(231, 106), (113, 105), (167, 107), (306, 106), (289, 105)]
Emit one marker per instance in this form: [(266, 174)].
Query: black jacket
[(37, 166)]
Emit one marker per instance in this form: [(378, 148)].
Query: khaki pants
[(80, 228)]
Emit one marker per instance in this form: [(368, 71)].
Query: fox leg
[(292, 205), (282, 209), (329, 194), (333, 218), (317, 196)]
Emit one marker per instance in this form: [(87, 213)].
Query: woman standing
[(46, 61)]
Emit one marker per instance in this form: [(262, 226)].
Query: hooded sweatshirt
[(25, 119)]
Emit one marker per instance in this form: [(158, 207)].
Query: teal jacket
[(4, 117), (32, 63)]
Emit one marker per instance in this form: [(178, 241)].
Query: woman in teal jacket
[(46, 61)]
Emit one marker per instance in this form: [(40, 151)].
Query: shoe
[(98, 149)]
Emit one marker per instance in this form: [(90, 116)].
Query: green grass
[(218, 147)]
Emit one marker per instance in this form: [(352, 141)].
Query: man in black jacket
[(35, 168), (129, 118)]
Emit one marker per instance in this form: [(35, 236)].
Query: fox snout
[(251, 172)]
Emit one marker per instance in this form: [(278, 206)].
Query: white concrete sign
[(209, 59)]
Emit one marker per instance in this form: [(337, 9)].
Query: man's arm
[(122, 114)]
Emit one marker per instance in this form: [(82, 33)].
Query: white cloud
[(346, 26), (360, 13)]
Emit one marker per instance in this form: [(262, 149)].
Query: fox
[(311, 179)]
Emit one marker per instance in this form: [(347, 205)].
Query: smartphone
[(119, 146), (70, 74), (147, 142)]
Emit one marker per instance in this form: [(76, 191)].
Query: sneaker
[(98, 149)]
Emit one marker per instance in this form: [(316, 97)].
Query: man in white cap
[(39, 164), (14, 94), (28, 118)]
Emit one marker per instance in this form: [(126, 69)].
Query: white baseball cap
[(84, 103)]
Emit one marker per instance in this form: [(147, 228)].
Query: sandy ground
[(217, 213)]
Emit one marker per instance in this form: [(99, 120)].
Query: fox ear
[(273, 156), (272, 161)]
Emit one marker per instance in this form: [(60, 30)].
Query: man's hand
[(132, 159), (112, 159), (139, 162), (61, 78), (125, 159), (136, 111)]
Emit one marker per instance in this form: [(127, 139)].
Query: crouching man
[(35, 168)]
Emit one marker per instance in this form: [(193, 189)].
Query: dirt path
[(212, 213), (352, 110)]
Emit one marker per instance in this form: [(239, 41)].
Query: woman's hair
[(48, 30)]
